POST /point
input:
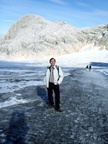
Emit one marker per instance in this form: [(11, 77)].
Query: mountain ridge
[(33, 37)]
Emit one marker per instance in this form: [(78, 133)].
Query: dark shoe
[(59, 110)]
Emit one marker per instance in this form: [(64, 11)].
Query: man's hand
[(45, 87), (57, 83)]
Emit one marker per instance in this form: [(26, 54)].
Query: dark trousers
[(54, 88)]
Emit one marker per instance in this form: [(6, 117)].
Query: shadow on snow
[(42, 93), (17, 128)]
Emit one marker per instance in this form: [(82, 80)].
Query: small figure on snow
[(88, 67)]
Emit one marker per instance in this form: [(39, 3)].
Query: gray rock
[(33, 37)]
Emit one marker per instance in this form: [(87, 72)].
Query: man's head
[(52, 61)]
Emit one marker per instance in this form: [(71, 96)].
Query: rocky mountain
[(96, 37), (33, 37)]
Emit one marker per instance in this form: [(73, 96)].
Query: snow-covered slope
[(33, 37)]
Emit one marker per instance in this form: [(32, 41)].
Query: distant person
[(88, 67), (52, 80)]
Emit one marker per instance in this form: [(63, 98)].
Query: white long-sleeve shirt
[(58, 76)]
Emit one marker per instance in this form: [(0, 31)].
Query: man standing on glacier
[(52, 80)]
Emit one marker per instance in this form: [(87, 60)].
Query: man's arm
[(45, 79), (60, 76)]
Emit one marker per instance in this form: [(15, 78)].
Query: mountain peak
[(32, 36)]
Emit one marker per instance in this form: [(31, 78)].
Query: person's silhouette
[(17, 128)]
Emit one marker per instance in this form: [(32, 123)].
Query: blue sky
[(79, 13)]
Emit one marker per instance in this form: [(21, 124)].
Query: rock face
[(96, 37), (33, 37)]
